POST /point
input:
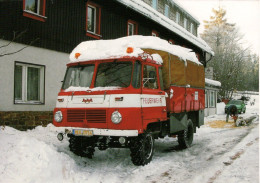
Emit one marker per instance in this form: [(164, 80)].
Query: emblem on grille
[(88, 100)]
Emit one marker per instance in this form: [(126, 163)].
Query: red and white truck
[(124, 93)]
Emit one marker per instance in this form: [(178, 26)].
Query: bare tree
[(16, 36), (230, 56)]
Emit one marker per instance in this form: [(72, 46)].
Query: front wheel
[(142, 149), (185, 138)]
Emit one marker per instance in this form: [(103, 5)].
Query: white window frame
[(206, 99), (178, 17), (192, 28), (133, 28), (212, 102), (155, 4), (95, 19), (185, 23), (154, 34), (166, 10), (24, 84)]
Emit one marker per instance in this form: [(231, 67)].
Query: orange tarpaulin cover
[(179, 72)]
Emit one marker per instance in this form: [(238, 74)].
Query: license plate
[(82, 132)]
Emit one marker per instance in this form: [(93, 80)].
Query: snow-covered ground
[(217, 155)]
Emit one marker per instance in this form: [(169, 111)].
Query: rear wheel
[(142, 149), (185, 138), (81, 146)]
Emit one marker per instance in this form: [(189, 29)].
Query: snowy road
[(217, 155)]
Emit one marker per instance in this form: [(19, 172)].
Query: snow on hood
[(212, 82), (116, 48)]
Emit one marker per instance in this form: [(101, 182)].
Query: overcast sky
[(245, 13)]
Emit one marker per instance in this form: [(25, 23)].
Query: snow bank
[(221, 108), (116, 48), (26, 159), (212, 82)]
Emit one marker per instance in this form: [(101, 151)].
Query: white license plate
[(79, 132)]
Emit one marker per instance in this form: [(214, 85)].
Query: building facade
[(36, 37), (211, 95)]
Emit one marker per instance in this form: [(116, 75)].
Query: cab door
[(153, 98)]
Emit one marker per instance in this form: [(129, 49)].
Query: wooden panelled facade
[(56, 28), (65, 24)]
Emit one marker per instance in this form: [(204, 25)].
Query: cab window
[(161, 78), (137, 75), (149, 77)]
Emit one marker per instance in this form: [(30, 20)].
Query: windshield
[(78, 76), (235, 102), (114, 74)]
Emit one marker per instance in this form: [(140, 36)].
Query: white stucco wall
[(210, 111), (55, 67)]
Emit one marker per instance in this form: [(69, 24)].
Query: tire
[(82, 147), (142, 149), (185, 138)]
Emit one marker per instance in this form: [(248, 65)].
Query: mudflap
[(178, 122)]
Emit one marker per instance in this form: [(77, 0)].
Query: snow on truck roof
[(117, 48)]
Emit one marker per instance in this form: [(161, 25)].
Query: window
[(198, 56), (137, 75), (161, 78), (78, 76), (149, 77), (155, 33), (178, 18), (185, 23), (116, 74), (206, 98), (93, 20), (34, 9), (212, 99), (155, 4), (191, 28), (171, 41), (132, 28), (166, 10), (28, 83)]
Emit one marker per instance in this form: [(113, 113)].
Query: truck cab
[(117, 94)]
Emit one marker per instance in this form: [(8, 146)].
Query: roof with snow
[(212, 82), (192, 16), (116, 48), (156, 16)]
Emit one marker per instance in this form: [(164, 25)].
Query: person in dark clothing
[(233, 112)]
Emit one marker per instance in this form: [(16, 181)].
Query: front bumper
[(101, 132)]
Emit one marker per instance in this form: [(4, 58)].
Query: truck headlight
[(58, 116), (116, 117)]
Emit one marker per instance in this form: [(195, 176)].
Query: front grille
[(92, 116)]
